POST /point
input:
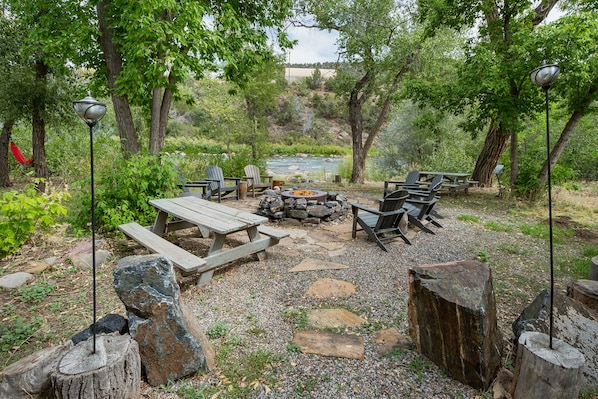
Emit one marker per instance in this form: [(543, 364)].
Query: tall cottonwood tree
[(150, 46), (379, 42), (494, 84)]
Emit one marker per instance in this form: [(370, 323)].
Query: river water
[(305, 166)]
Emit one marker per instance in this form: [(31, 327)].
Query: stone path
[(319, 339)]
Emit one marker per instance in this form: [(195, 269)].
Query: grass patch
[(218, 330), (496, 226), (296, 316), (513, 249), (542, 230), (469, 218)]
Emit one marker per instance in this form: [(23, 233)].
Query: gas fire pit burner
[(316, 195)]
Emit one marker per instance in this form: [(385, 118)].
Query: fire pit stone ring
[(310, 195)]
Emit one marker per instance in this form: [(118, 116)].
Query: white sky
[(313, 46)]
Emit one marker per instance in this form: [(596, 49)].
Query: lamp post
[(91, 111), (544, 76)]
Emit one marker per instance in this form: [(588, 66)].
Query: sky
[(313, 46)]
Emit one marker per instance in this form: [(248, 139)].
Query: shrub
[(122, 191), (22, 214)]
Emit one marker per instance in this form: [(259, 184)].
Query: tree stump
[(112, 372), (542, 372), (594, 268), (586, 292)]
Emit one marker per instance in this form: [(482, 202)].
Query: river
[(311, 166)]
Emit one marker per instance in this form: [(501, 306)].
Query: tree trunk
[(494, 146), (39, 127), (161, 101), (514, 158), (356, 122), (129, 142), (4, 141), (560, 145)]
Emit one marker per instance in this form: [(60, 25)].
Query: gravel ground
[(253, 297)]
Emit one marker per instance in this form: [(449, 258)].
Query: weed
[(296, 316), (495, 226), (293, 348), (256, 331), (36, 293), (218, 330), (469, 218), (483, 255), (513, 249), (307, 385), (418, 365), (15, 333)]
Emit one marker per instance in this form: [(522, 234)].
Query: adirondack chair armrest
[(421, 201), (217, 181), (235, 179), (268, 177), (203, 183), (250, 178), (365, 208)]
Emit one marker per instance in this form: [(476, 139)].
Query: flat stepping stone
[(310, 264), (325, 343), (331, 318), (385, 341), (330, 288), (36, 267), (331, 246)]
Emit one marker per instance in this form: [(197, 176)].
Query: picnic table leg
[(159, 226), (254, 234)]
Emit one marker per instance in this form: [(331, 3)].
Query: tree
[(573, 42), (36, 82), (151, 46), (494, 85), (379, 43)]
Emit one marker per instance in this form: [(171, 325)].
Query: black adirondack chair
[(410, 182), (381, 224), (420, 205)]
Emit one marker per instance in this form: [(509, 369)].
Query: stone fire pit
[(305, 206)]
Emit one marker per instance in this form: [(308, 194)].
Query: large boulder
[(573, 323), (171, 344), (452, 319)]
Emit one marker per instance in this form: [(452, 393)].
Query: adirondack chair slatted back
[(391, 203), (253, 172), (412, 178), (215, 173)]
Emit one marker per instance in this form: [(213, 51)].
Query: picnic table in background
[(452, 181), (212, 219)]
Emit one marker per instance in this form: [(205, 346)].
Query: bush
[(22, 214), (122, 191)]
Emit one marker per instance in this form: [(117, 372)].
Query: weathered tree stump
[(542, 372), (594, 268), (586, 292), (112, 372)]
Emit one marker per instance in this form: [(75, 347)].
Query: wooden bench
[(186, 262), (190, 264), (453, 188)]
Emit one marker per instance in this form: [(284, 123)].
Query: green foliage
[(315, 81), (296, 316), (326, 106), (22, 214), (218, 330), (289, 111), (36, 293), (123, 188), (469, 218), (15, 332)]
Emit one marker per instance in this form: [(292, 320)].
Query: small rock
[(36, 267), (15, 280), (330, 288)]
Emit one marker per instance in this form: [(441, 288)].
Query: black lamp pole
[(544, 76), (91, 111)]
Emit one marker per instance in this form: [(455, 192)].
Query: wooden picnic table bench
[(212, 219)]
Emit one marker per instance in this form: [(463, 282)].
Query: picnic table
[(452, 181), (212, 219)]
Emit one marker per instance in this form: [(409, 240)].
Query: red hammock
[(19, 155)]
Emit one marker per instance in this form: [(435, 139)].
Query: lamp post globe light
[(91, 111), (544, 76)]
